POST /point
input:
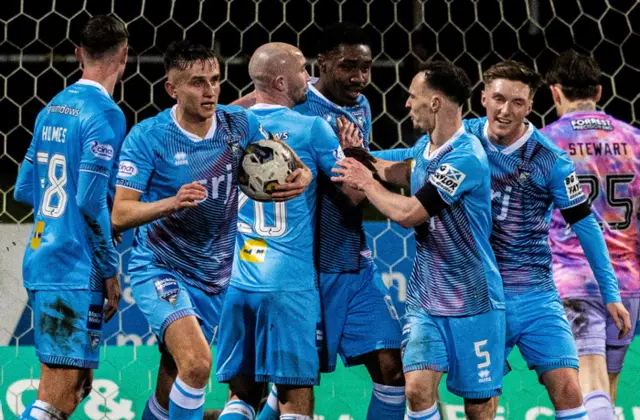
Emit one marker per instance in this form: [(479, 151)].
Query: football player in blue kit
[(71, 264), (271, 316), (177, 184), (455, 317)]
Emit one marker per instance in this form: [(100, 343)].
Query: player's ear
[(279, 83), (599, 94), (436, 103), (322, 63), (555, 94), (170, 88), (483, 98), (78, 53), (124, 53)]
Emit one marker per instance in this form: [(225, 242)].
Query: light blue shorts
[(358, 316), (470, 349), (270, 337)]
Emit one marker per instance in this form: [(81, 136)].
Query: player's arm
[(25, 183), (406, 211), (135, 170), (129, 212), (246, 101), (327, 149), (102, 136), (570, 199)]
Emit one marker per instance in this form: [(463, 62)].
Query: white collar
[(191, 136), (321, 96), (94, 84), (460, 131), (262, 106), (515, 145)]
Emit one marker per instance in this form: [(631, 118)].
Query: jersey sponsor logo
[(447, 178), (573, 187), (591, 124), (283, 136), (254, 251), (338, 153), (359, 117), (94, 319), (167, 289), (127, 169), (63, 109), (102, 151), (180, 158)]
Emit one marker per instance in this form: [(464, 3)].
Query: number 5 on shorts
[(483, 354)]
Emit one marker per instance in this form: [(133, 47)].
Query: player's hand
[(348, 133), (188, 196), (116, 236), (295, 185), (621, 317), (112, 294), (363, 156), (353, 174)]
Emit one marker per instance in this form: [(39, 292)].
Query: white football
[(264, 165)]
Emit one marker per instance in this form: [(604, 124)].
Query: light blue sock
[(598, 405), (428, 414), (578, 413), (387, 402), (39, 410), (237, 410), (270, 411), (186, 402), (154, 411)]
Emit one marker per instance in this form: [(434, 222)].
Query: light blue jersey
[(455, 271), (275, 241), (528, 178), (158, 157), (80, 130), (342, 245)]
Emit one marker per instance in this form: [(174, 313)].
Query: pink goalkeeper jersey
[(606, 153)]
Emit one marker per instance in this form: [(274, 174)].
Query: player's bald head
[(272, 60)]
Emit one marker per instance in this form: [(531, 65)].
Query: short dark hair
[(343, 33), (182, 54), (514, 71), (577, 74), (448, 79), (102, 34)]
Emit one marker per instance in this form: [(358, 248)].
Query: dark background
[(37, 46)]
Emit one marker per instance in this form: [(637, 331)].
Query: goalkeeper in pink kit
[(606, 154)]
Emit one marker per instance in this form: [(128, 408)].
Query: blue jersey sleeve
[(92, 203), (458, 173), (564, 184), (595, 249), (394, 155), (102, 138), (24, 191), (136, 161), (256, 132), (325, 145)]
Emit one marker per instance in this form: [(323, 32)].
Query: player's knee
[(480, 409), (385, 367), (566, 394), (419, 394), (196, 367)]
